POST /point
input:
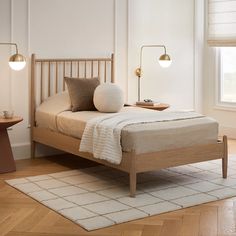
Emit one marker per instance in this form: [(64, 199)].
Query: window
[(221, 33), (227, 75)]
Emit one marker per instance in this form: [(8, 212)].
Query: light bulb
[(17, 65), (165, 63)]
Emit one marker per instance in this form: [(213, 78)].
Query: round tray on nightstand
[(158, 107)]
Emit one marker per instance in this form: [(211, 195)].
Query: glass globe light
[(165, 60), (17, 62)]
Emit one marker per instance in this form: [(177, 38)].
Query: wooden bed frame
[(47, 79)]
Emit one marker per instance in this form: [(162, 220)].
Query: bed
[(193, 140)]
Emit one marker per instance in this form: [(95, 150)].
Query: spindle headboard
[(47, 75)]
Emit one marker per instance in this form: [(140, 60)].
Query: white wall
[(170, 23), (75, 28), (5, 36), (14, 85)]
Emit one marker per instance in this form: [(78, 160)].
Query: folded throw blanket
[(102, 135)]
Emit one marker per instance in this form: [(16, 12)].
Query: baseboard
[(229, 131), (23, 151)]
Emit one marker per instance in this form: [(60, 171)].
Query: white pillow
[(108, 98)]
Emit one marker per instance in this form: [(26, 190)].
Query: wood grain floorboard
[(208, 221), (22, 216), (192, 219)]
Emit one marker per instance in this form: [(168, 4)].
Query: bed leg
[(132, 183), (33, 148), (132, 175), (225, 158)]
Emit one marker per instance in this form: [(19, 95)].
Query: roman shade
[(222, 22)]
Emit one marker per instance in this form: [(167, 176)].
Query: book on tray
[(148, 103)]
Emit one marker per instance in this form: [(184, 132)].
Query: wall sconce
[(164, 61), (16, 61)]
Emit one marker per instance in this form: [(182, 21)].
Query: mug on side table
[(8, 114)]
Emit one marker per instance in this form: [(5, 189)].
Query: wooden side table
[(7, 163), (158, 107)]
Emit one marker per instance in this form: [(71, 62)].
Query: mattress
[(141, 138)]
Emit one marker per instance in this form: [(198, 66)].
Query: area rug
[(98, 197)]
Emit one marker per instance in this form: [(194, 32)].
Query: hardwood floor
[(22, 216)]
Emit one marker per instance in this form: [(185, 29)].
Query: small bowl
[(8, 114)]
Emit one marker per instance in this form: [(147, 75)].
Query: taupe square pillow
[(81, 93)]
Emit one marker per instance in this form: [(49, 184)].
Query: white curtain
[(222, 22)]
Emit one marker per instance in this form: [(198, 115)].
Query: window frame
[(219, 104)]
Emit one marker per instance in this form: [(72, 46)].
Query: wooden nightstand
[(7, 163), (158, 107)]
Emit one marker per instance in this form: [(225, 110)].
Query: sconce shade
[(165, 60), (17, 62)]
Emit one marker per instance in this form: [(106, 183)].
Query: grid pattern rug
[(98, 197)]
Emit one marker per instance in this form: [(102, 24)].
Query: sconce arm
[(13, 44)]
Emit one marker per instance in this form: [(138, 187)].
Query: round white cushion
[(108, 98)]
